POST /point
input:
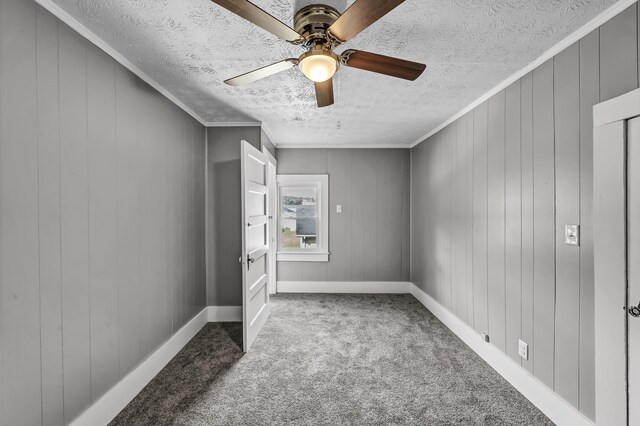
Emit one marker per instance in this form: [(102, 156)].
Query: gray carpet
[(332, 360)]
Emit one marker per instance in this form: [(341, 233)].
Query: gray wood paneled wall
[(224, 223), (101, 219), (369, 240), (267, 143), (491, 194)]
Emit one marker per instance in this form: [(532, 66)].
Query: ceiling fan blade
[(381, 64), (324, 93), (263, 72), (359, 16), (259, 17)]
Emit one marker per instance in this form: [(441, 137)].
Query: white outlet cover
[(523, 349), (572, 235), (338, 208)]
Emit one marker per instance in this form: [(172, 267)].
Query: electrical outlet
[(338, 208), (523, 349)]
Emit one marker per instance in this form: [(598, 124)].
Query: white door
[(633, 247), (255, 244)]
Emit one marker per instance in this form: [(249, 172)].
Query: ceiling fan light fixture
[(318, 66), (321, 28)]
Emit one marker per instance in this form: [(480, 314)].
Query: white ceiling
[(190, 46)]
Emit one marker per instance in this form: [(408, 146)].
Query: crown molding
[(85, 32), (233, 124), (577, 35), (590, 26), (266, 131)]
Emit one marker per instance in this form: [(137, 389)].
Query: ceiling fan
[(320, 29)]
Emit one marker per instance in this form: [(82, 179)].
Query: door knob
[(250, 260), (634, 311)]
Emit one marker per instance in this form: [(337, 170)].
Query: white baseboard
[(116, 399), (342, 287), (224, 313), (558, 410), (111, 403)]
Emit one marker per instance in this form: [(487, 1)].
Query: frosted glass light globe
[(318, 67)]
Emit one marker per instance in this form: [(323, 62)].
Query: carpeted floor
[(332, 360)]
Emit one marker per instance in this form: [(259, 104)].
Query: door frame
[(610, 255), (272, 197)]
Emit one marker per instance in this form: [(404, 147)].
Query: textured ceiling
[(190, 46)]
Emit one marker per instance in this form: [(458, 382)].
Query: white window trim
[(321, 254)]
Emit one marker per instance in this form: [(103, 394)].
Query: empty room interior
[(319, 212)]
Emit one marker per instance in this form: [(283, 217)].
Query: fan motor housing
[(312, 22)]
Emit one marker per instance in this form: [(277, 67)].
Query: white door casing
[(272, 184), (616, 215), (609, 251), (633, 256), (255, 245)]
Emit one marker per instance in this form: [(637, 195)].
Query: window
[(303, 218)]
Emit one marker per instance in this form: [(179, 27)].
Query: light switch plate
[(572, 235), (338, 208)]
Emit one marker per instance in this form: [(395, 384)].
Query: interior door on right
[(633, 255)]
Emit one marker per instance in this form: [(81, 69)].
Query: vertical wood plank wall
[(369, 240), (101, 219), (519, 167), (224, 207)]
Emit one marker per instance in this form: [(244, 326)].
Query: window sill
[(284, 256)]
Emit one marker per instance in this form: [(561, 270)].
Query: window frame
[(321, 252)]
